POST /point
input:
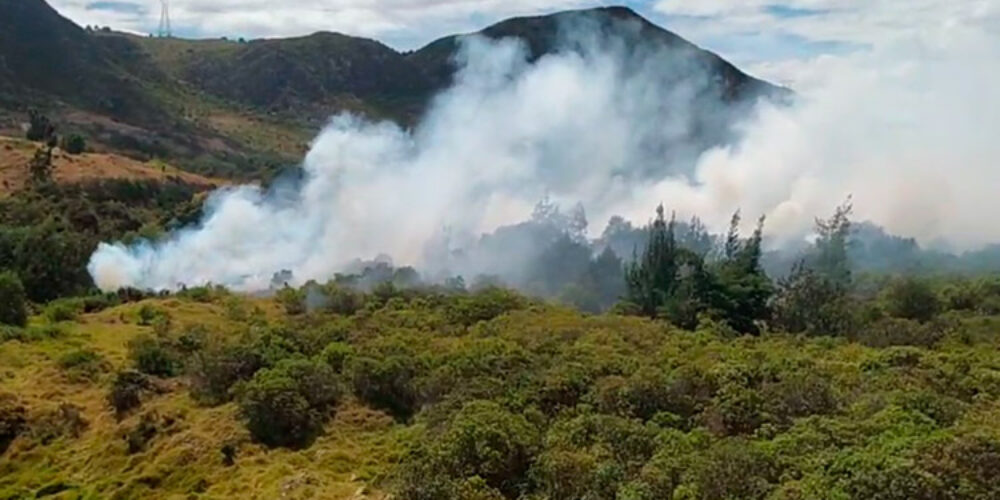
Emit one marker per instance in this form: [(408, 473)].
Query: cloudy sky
[(768, 36)]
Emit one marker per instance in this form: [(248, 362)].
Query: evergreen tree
[(650, 279), (815, 297), (745, 288), (833, 237)]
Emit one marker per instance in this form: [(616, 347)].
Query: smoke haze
[(907, 127)]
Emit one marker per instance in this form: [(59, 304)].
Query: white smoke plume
[(908, 127)]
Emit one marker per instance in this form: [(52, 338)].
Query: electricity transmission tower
[(164, 31)]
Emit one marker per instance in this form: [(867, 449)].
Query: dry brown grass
[(16, 153)]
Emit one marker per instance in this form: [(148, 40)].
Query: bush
[(63, 310), (216, 370), (13, 301), (148, 314), (127, 391), (74, 144), (154, 356), (733, 468), (483, 305), (288, 405), (808, 302), (911, 298), (293, 300), (82, 364), (388, 383), (13, 420), (336, 354), (343, 300), (482, 440)]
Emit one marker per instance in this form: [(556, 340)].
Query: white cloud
[(407, 22)]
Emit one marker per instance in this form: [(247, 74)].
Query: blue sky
[(751, 33)]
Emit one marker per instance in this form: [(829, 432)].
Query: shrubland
[(706, 379), (441, 393)]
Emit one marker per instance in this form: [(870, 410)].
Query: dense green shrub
[(215, 370), (63, 310), (482, 440), (342, 300), (387, 383), (911, 298), (127, 391), (808, 302), (734, 468), (13, 301), (288, 405), (74, 144), (154, 355), (483, 305), (337, 354), (293, 300)]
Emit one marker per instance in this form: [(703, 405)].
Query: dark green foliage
[(744, 289), (48, 234), (148, 314), (154, 356), (732, 469), (13, 301), (40, 128), (337, 354), (142, 433), (911, 298), (293, 299), (830, 258), (673, 282), (815, 297), (483, 305), (482, 440), (74, 144), (127, 391), (63, 310), (215, 370), (387, 383), (287, 405), (808, 302), (652, 279)]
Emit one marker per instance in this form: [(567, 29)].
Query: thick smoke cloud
[(907, 128)]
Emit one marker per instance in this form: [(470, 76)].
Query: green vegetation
[(441, 393), (74, 144), (48, 232), (13, 302)]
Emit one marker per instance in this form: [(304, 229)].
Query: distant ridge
[(244, 109)]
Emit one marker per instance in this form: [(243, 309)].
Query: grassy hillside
[(490, 396), (87, 455), (15, 154)]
